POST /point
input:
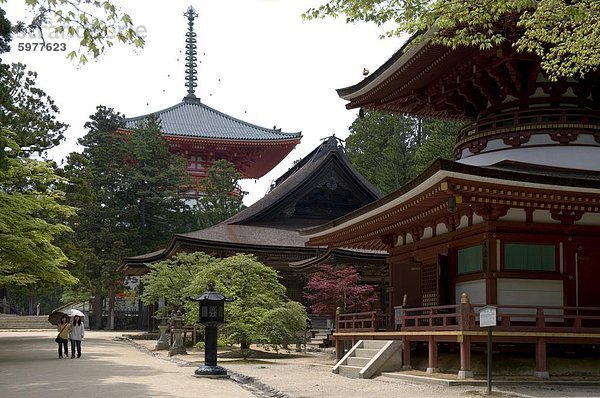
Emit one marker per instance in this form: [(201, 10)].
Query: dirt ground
[(115, 366)]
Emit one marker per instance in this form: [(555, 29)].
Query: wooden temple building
[(204, 135), (513, 223), (319, 188)]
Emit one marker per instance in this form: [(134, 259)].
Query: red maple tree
[(333, 287)]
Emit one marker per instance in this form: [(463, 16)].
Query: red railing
[(516, 318)]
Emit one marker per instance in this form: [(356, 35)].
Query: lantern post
[(211, 314)]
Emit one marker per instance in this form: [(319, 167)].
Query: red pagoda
[(204, 135)]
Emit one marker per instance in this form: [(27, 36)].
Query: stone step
[(366, 352), (25, 322), (349, 371), (374, 344), (357, 361)]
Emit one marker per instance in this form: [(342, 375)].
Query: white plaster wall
[(544, 216), (589, 219), (582, 158), (514, 215), (531, 292), (475, 290)]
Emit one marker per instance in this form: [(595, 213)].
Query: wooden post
[(465, 312), (406, 354), (465, 371), (433, 356), (339, 348), (541, 369), (339, 344)]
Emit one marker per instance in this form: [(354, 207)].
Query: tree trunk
[(110, 323), (98, 309)]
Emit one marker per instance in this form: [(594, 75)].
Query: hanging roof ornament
[(190, 56)]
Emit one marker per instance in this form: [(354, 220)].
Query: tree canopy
[(565, 34), (31, 202), (261, 311), (332, 287), (97, 24), (390, 149)]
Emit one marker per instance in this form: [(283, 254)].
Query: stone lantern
[(177, 348), (211, 306)]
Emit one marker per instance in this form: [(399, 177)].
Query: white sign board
[(487, 316)]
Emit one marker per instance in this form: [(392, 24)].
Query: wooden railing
[(464, 317), (357, 322), (540, 117)]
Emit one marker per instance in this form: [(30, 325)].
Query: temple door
[(430, 285), (588, 277)]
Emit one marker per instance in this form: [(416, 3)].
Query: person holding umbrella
[(76, 335), (64, 328)]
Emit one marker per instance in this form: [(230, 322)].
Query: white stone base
[(433, 370), (541, 375), (465, 374)]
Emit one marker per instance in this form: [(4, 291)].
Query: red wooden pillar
[(339, 348), (465, 371), (406, 354), (541, 369), (433, 356)]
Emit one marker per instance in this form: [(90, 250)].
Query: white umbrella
[(73, 312)]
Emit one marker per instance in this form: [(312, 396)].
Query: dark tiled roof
[(302, 173), (191, 118), (248, 235)]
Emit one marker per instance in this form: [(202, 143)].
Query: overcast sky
[(260, 62)]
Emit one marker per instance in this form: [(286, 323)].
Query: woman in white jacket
[(76, 335)]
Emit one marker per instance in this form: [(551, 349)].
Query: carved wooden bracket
[(566, 217), (389, 240), (564, 137), (452, 222), (417, 233), (516, 139), (490, 212), (477, 145)]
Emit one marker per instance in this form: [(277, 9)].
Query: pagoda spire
[(190, 56)]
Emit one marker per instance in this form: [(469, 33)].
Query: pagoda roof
[(193, 119), (426, 197), (320, 187)]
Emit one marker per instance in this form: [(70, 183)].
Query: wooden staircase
[(370, 357)]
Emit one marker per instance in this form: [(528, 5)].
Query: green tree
[(31, 204), (280, 326), (440, 137), (30, 207), (256, 288), (97, 24), (153, 178), (170, 279), (380, 147), (222, 196), (390, 149), (565, 34), (126, 189)]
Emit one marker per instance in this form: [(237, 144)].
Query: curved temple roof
[(191, 118)]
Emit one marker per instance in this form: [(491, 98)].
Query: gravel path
[(114, 366)]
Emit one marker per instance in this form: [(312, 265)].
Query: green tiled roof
[(191, 118)]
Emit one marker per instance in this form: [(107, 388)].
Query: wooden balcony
[(464, 317), (459, 324)]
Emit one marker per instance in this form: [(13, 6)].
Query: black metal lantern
[(212, 314), (212, 308)]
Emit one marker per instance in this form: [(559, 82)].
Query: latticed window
[(429, 285), (529, 257), (470, 259)]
